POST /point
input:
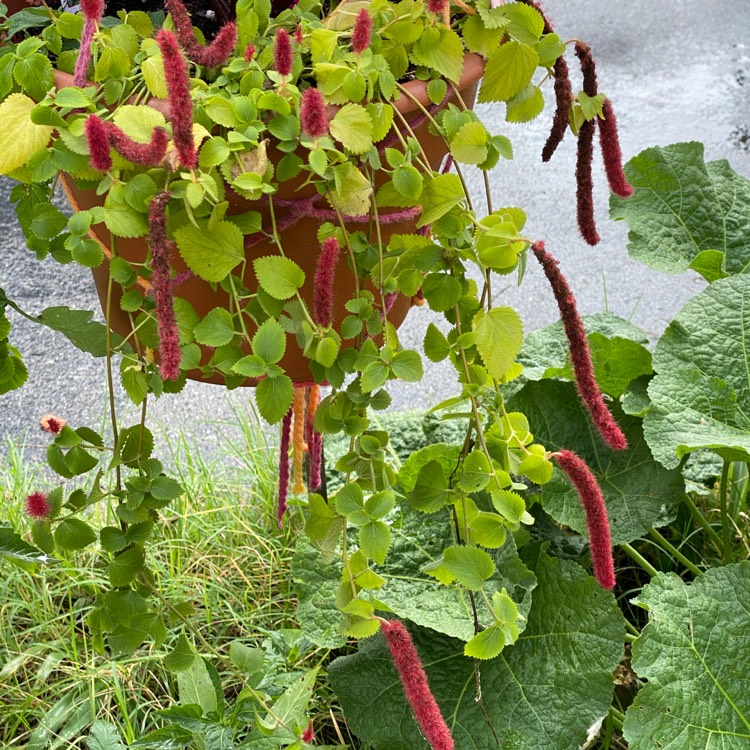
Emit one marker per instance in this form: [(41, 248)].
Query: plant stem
[(702, 522), (640, 559), (110, 377), (669, 547), (723, 507)]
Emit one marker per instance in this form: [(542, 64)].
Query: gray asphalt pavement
[(676, 70)]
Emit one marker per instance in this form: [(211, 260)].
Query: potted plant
[(261, 207)]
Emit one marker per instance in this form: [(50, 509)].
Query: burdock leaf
[(556, 697), (700, 396), (694, 655)]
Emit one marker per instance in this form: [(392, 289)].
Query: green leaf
[(498, 336), (700, 396), (182, 656), (508, 71), (526, 105), (76, 325), (215, 151), (436, 346), (35, 75), (526, 23), (682, 206), (113, 539), (375, 540), (323, 526), (470, 145), (73, 533), (126, 566), (274, 397), (439, 196), (558, 697), (211, 254), (352, 126), (470, 566), (279, 276), (487, 644), (19, 136), (245, 658), (216, 329), (692, 654), (196, 687), (13, 547), (407, 365), (639, 493), (442, 291), (104, 736), (138, 122), (442, 50), (269, 342), (408, 181), (123, 221), (47, 221), (430, 492)]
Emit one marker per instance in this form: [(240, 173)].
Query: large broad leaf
[(617, 348), (19, 136), (78, 327), (695, 654), (638, 491), (700, 397), (682, 209), (536, 693), (12, 547)]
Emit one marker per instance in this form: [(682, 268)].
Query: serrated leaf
[(352, 126), (73, 533), (692, 654), (216, 328), (498, 336), (436, 346), (19, 136), (443, 52), (526, 105), (181, 657), (508, 71), (138, 122), (486, 645), (470, 143), (274, 397), (211, 254), (470, 566), (279, 276), (439, 195), (375, 540), (124, 567), (431, 491), (269, 341)]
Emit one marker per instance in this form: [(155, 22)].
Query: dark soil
[(207, 15)]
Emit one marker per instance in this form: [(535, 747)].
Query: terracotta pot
[(299, 240)]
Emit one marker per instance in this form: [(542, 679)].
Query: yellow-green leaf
[(19, 137)]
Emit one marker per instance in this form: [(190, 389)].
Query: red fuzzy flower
[(324, 276), (436, 6), (211, 56), (92, 9), (169, 336), (416, 688), (298, 34), (585, 183), (564, 98), (249, 52), (51, 423), (84, 54), (100, 135), (597, 522), (38, 506), (308, 735), (611, 151), (580, 354), (286, 430), (312, 113), (588, 69), (362, 31), (282, 53), (314, 440), (180, 102)]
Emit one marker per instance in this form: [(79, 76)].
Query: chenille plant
[(207, 154)]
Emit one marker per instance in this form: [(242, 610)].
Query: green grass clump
[(220, 550)]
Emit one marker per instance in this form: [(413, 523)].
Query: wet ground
[(676, 70)]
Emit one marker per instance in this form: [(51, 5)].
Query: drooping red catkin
[(580, 354), (286, 429), (92, 9), (597, 522), (169, 337), (609, 140), (588, 69), (325, 273), (362, 31), (436, 6), (180, 101), (92, 12), (51, 423), (564, 98), (416, 688), (249, 52), (38, 506), (585, 184), (210, 56), (100, 135), (298, 34), (314, 440), (282, 53), (312, 113)]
